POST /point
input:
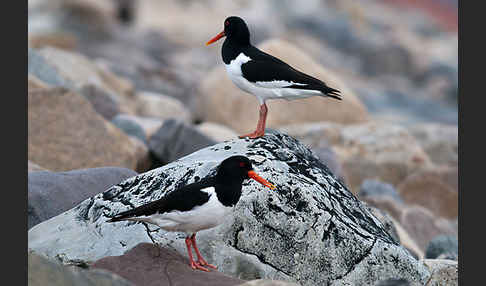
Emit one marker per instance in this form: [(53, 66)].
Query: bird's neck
[(228, 191), (231, 49)]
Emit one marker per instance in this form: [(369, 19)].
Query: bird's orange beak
[(217, 37), (261, 180)]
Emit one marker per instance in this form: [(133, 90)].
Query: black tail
[(334, 93)]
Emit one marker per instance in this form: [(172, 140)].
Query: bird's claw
[(198, 266)]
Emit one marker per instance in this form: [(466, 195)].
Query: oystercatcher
[(263, 75), (198, 206)]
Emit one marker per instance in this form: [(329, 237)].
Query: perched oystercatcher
[(199, 205), (263, 75)]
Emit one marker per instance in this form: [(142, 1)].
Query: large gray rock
[(51, 193), (446, 245), (311, 230)]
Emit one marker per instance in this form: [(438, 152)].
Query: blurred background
[(144, 68)]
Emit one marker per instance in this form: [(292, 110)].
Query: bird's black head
[(235, 29), (238, 168)]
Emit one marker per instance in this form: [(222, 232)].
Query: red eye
[(226, 23), (242, 164)]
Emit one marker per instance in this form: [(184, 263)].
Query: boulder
[(311, 230), (66, 133), (149, 124), (440, 141), (130, 127), (423, 226), (147, 264), (51, 193), (35, 83), (72, 70), (175, 139), (442, 245), (221, 101), (217, 132), (149, 104), (103, 102), (426, 188), (371, 150), (376, 188), (42, 271), (443, 272)]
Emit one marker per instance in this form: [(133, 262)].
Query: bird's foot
[(204, 263), (198, 266), (253, 135)]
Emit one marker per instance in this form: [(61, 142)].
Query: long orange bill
[(261, 180), (218, 36)]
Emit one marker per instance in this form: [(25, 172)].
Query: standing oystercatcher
[(199, 205), (263, 75)]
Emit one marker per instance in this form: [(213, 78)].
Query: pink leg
[(194, 265), (200, 259), (260, 130)]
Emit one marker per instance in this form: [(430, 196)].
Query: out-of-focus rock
[(373, 150), (175, 139), (51, 193), (426, 188), (442, 245), (217, 131), (423, 226), (65, 133), (440, 141), (160, 106), (130, 127), (103, 102), (376, 188), (149, 124), (221, 101)]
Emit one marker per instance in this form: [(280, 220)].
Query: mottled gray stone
[(311, 230)]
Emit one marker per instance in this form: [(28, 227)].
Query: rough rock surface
[(42, 271), (311, 229), (148, 265), (222, 101), (51, 193), (268, 282)]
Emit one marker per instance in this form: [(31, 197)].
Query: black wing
[(266, 68), (183, 199)]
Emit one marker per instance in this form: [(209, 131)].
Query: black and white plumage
[(198, 206), (264, 75)]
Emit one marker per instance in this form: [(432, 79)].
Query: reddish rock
[(146, 265), (428, 189)]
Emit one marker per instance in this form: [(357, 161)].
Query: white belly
[(206, 216)]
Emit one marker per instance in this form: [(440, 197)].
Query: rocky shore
[(123, 95)]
